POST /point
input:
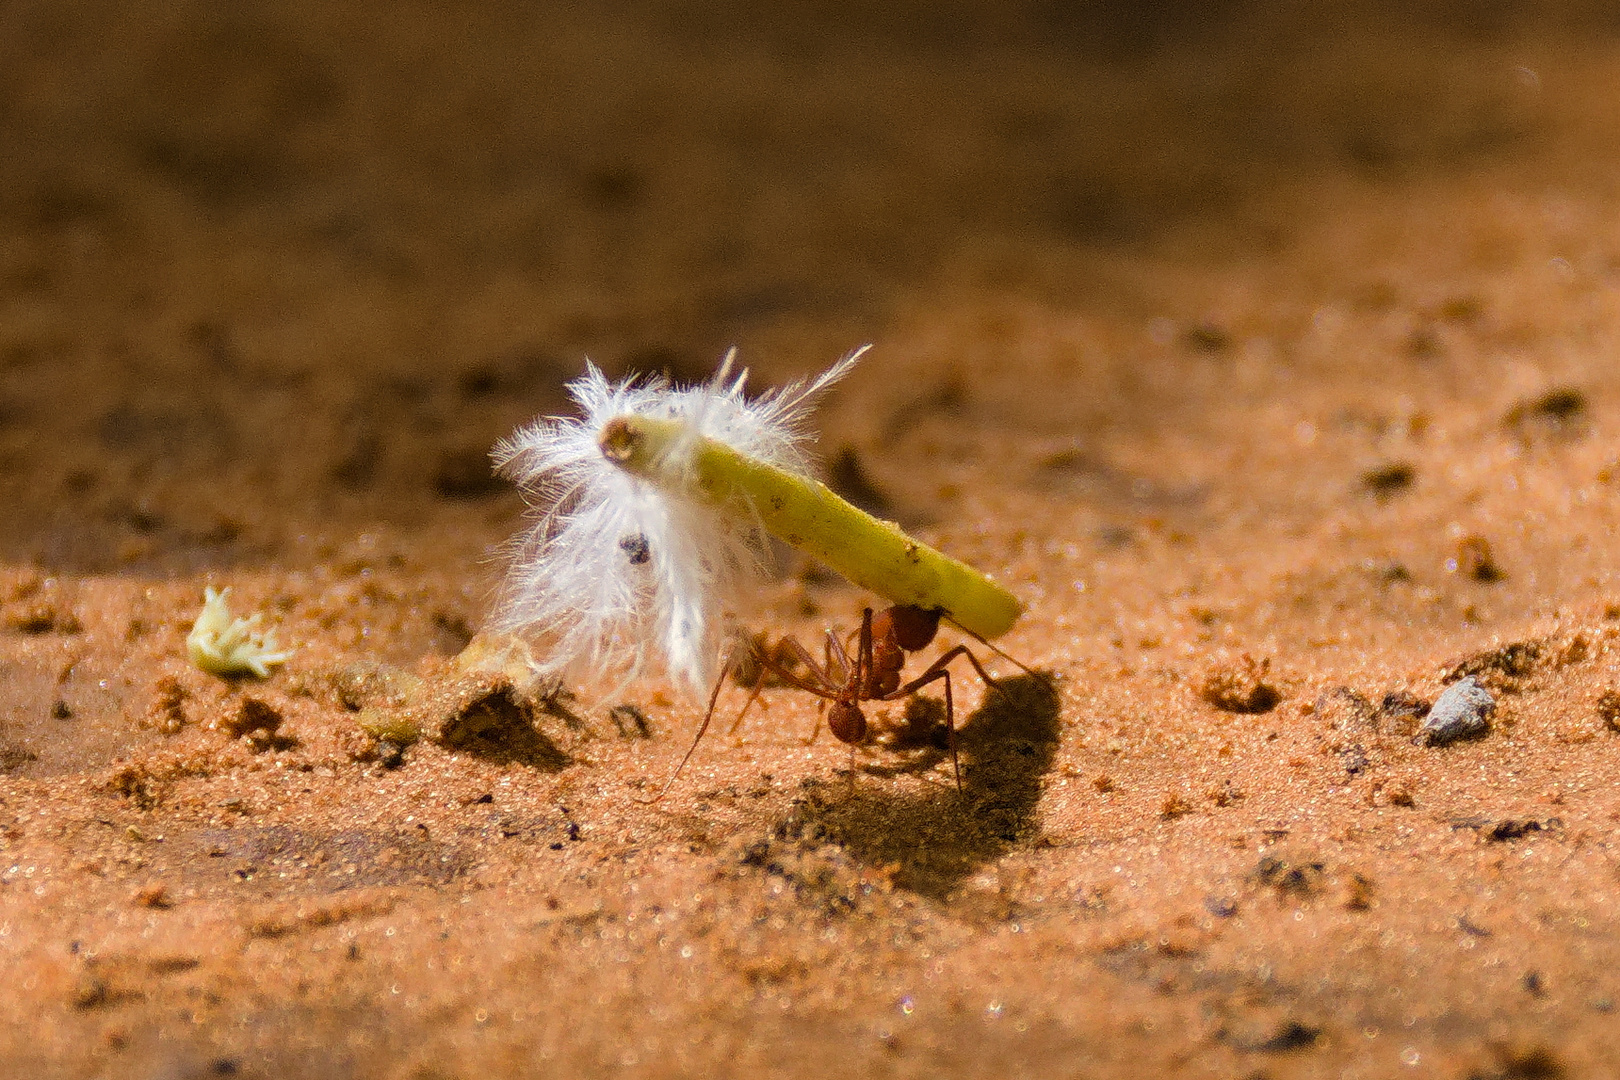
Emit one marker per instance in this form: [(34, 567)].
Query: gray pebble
[(1462, 711)]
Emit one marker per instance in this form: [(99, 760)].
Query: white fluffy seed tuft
[(619, 575)]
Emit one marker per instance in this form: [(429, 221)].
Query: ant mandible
[(872, 674)]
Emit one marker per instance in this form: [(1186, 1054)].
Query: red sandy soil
[(1269, 357)]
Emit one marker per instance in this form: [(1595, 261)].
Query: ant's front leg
[(708, 716)]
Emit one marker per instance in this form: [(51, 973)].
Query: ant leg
[(753, 696), (821, 713), (819, 681), (817, 673), (951, 654), (714, 696), (863, 659), (950, 731), (753, 652), (848, 670), (935, 672)]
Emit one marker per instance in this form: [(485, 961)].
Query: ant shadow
[(926, 833)]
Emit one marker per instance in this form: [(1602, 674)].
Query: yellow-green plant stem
[(873, 554)]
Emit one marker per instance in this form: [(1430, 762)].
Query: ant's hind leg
[(951, 654), (936, 671)]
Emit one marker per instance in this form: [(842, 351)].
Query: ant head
[(913, 627), (847, 723)]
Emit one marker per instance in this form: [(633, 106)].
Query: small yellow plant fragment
[(805, 513), (226, 646)]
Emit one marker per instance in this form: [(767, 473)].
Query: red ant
[(873, 674)]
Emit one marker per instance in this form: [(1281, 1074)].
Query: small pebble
[(1462, 711)]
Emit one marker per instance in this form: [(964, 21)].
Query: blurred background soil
[(1266, 351)]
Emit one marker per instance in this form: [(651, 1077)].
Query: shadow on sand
[(925, 832)]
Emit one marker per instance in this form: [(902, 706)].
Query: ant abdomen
[(913, 627)]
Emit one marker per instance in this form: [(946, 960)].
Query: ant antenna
[(1011, 659)]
